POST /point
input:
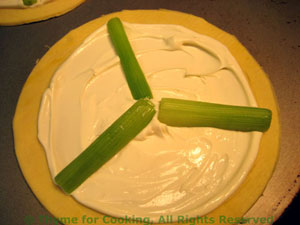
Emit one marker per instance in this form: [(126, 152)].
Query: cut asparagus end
[(109, 143), (134, 75), (185, 113)]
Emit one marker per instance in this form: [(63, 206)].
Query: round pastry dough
[(31, 155), (10, 17)]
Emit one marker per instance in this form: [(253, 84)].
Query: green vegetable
[(134, 75), (184, 113), (109, 143), (29, 2)]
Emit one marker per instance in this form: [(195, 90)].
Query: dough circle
[(31, 155), (11, 17)]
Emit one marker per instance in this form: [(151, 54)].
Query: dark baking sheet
[(269, 29)]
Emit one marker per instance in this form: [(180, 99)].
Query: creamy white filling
[(164, 170), (19, 3)]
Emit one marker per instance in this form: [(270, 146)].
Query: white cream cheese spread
[(19, 3), (164, 170)]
